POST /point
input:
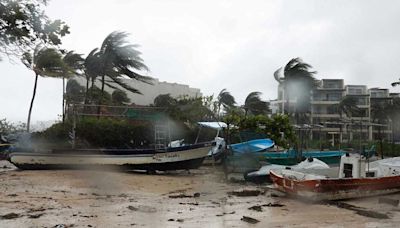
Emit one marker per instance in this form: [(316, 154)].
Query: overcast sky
[(219, 44)]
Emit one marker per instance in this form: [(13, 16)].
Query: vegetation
[(254, 105), (45, 62), (298, 82), (117, 58), (24, 24), (6, 127), (120, 97), (224, 99)]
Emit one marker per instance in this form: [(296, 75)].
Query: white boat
[(262, 175), (177, 158)]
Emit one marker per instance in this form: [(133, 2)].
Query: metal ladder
[(161, 136)]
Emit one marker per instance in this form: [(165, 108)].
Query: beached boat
[(357, 178), (262, 175), (290, 157), (176, 158), (261, 148), (252, 146)]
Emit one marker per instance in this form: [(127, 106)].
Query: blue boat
[(259, 148), (291, 157), (252, 146)]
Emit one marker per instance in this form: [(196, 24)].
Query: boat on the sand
[(171, 158), (262, 175), (356, 178), (290, 157)]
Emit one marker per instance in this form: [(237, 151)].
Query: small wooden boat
[(176, 158), (356, 179)]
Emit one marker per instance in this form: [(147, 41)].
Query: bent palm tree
[(396, 83), (45, 62), (73, 66), (347, 106), (255, 105), (298, 82), (92, 65), (225, 99), (118, 58)]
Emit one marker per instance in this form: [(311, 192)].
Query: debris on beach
[(182, 195), (273, 205), (35, 216), (389, 201), (360, 210), (249, 220), (143, 208), (256, 208), (246, 192), (11, 215), (226, 213)]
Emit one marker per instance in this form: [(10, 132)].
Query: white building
[(150, 91)]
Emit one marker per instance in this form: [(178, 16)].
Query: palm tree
[(396, 83), (255, 105), (92, 65), (380, 113), (347, 106), (298, 82), (164, 100), (224, 99), (117, 59), (73, 66), (119, 97), (45, 62)]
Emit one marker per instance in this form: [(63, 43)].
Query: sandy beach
[(201, 198)]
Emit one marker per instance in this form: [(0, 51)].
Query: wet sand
[(71, 198)]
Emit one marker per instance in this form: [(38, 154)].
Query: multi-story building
[(324, 110)]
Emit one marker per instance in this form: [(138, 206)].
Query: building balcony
[(322, 102), (325, 115)]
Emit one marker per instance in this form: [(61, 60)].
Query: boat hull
[(189, 158), (336, 188), (293, 161)]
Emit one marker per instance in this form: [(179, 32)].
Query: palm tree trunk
[(33, 99), (63, 100), (101, 95), (87, 90), (91, 91)]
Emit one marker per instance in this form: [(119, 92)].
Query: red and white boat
[(355, 178)]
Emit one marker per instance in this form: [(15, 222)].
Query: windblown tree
[(74, 92), (298, 81), (23, 24), (73, 67), (119, 59), (380, 115), (396, 83), (224, 99), (347, 106), (164, 100), (119, 97), (255, 105), (45, 62), (92, 71)]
